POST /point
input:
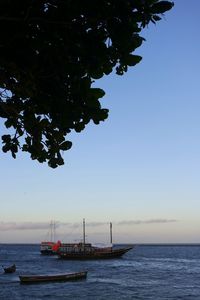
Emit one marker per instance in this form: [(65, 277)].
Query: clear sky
[(139, 169)]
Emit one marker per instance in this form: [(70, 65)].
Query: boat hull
[(25, 279), (115, 253), (47, 252)]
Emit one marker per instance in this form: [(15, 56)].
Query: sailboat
[(86, 251), (50, 247)]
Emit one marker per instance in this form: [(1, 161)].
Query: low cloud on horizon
[(152, 221), (9, 226)]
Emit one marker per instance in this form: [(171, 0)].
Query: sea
[(160, 272)]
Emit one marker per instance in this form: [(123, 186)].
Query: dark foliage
[(50, 54)]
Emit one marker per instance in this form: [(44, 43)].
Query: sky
[(140, 169)]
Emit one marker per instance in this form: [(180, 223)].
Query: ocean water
[(145, 272)]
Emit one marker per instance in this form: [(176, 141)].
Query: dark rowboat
[(10, 269), (52, 278)]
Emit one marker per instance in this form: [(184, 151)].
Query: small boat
[(10, 269), (52, 278), (50, 247), (46, 248)]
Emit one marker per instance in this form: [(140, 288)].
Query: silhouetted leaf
[(132, 60), (6, 138), (97, 93), (161, 7), (66, 145)]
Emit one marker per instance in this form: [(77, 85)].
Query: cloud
[(10, 226), (151, 221), (88, 224), (4, 226)]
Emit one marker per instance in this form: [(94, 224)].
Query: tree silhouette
[(51, 52)]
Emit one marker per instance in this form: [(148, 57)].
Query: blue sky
[(139, 169)]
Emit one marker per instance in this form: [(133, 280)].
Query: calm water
[(146, 272)]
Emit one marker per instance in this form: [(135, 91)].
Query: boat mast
[(111, 233), (84, 234), (54, 231), (51, 231)]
